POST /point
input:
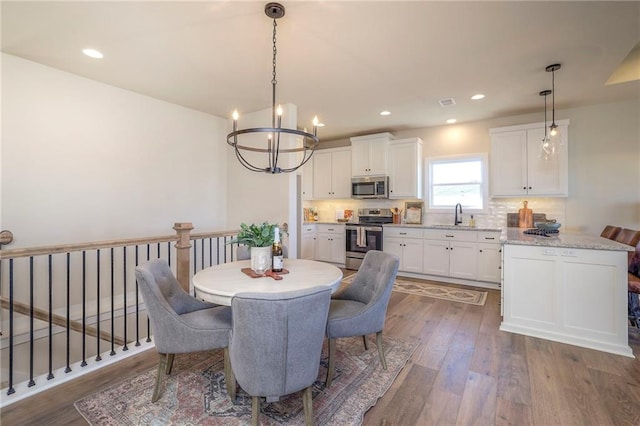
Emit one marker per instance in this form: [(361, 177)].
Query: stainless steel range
[(365, 235)]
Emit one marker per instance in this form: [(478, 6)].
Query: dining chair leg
[(307, 402), (162, 366), (169, 367), (364, 340), (229, 377), (332, 357), (255, 410), (380, 349)]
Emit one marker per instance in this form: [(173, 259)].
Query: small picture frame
[(413, 212)]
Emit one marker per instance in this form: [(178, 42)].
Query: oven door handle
[(364, 228)]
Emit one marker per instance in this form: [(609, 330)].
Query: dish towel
[(361, 237)]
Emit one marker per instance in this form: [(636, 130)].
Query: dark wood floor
[(465, 371)]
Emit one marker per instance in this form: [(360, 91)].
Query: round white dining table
[(219, 283)]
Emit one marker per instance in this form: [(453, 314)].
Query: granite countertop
[(562, 239), (447, 227)]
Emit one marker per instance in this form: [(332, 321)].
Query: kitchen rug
[(437, 291), (195, 392)]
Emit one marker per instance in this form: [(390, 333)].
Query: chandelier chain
[(275, 51)]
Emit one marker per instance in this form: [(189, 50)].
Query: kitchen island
[(569, 288)]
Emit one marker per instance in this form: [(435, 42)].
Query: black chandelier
[(273, 133)]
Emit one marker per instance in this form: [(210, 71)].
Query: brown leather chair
[(610, 232), (629, 237)]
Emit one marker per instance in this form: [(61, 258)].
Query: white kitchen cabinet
[(569, 295), (332, 174), (450, 253), (309, 238), (307, 181), (407, 244), (516, 166), (369, 154), (489, 257), (405, 168), (330, 243)]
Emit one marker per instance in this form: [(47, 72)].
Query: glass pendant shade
[(548, 145)]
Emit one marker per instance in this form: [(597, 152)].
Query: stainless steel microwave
[(370, 187)]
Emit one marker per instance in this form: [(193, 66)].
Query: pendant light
[(547, 145), (270, 162), (553, 129)]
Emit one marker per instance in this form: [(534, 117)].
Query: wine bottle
[(276, 252)]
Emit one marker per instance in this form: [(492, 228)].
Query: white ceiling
[(343, 60)]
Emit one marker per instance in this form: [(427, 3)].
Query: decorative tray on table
[(275, 275), (541, 232)]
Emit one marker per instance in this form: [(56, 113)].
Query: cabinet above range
[(369, 154)]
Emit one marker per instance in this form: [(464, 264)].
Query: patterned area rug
[(438, 291), (195, 391)]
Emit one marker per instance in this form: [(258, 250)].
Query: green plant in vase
[(255, 235)]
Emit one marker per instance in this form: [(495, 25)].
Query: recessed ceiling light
[(451, 121), (477, 96), (385, 113), (93, 53)]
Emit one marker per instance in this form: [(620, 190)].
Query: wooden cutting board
[(525, 217)]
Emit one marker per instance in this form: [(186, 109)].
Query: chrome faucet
[(457, 221)]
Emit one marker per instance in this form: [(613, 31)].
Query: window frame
[(484, 185)]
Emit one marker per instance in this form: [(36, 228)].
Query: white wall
[(84, 161)]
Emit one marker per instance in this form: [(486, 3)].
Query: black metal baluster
[(195, 256), (50, 375), (148, 322), (169, 252), (225, 250), (31, 339), (113, 320), (210, 251), (202, 254), (124, 286), (98, 357), (217, 250), (68, 367), (137, 305), (11, 389), (84, 309)]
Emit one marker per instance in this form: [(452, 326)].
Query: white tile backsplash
[(554, 208)]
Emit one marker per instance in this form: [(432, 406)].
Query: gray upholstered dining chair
[(276, 344), (361, 308), (181, 323)]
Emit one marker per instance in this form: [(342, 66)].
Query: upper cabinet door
[(405, 168), (369, 154), (547, 177), (518, 169), (332, 174), (509, 163)]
